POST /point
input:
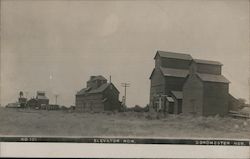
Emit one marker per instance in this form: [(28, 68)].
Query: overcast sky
[(56, 45)]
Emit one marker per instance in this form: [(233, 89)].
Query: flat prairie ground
[(127, 124)]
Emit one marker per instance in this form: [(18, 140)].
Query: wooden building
[(32, 104), (177, 97), (169, 74), (41, 101), (41, 98), (99, 95), (181, 84), (169, 105), (22, 101), (206, 91)]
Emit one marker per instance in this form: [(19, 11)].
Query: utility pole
[(125, 85), (249, 90), (248, 72), (56, 95)]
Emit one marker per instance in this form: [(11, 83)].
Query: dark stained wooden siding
[(157, 84), (173, 84), (177, 106), (95, 102), (192, 95), (175, 63), (112, 96), (42, 102), (90, 102), (215, 98), (32, 103), (209, 69)]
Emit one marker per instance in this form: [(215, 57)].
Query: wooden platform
[(239, 114)]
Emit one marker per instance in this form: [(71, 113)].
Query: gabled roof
[(174, 72), (170, 99), (212, 78), (105, 99), (83, 91), (200, 61), (177, 94), (99, 77), (152, 73), (173, 55), (41, 92), (100, 89), (171, 72), (32, 100)]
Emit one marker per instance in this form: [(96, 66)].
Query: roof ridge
[(177, 94), (210, 74), (213, 77), (174, 55), (174, 72), (211, 62), (173, 52), (174, 68)]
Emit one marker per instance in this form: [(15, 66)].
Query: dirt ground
[(129, 124)]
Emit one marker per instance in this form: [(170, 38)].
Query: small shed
[(177, 97), (42, 99), (170, 105)]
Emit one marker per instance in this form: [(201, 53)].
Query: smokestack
[(109, 79)]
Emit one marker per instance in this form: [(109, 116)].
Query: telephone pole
[(125, 85), (249, 90)]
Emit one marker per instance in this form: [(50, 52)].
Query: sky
[(56, 45)]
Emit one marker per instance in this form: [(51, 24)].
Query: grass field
[(129, 124)]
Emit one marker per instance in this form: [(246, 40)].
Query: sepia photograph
[(126, 71)]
